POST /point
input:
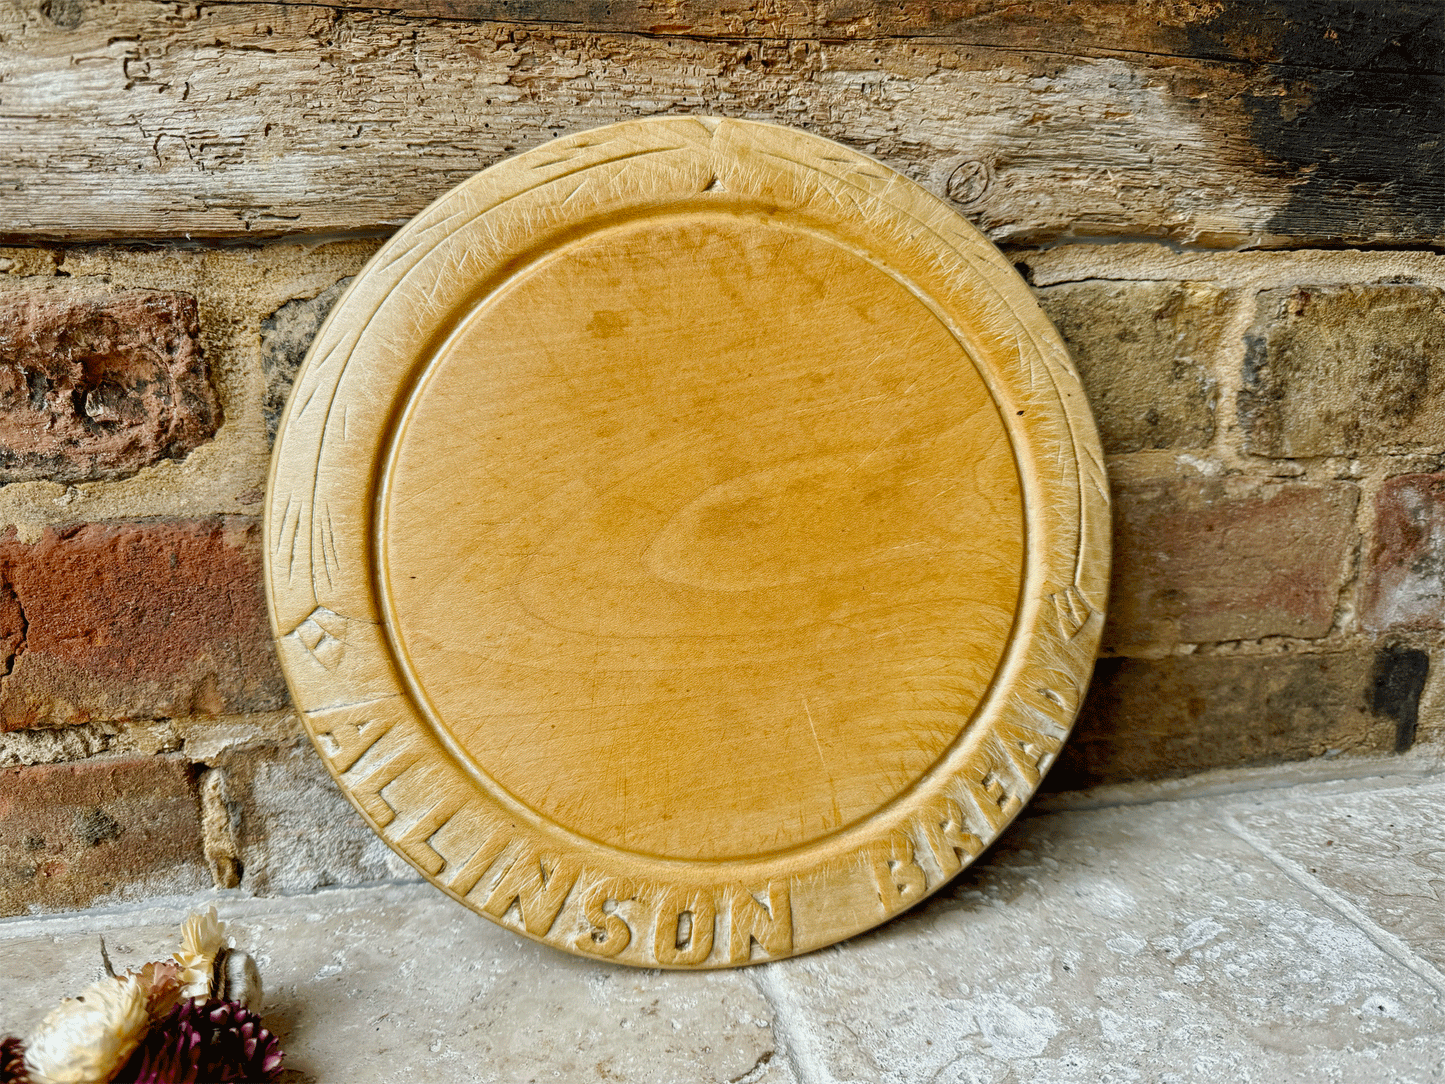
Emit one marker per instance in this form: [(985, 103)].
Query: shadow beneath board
[(1015, 865)]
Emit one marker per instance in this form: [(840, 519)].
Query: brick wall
[(1275, 431), (1275, 436), (1272, 401), (145, 742)]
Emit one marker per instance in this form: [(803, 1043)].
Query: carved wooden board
[(687, 543)]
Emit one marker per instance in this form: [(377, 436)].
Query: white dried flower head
[(202, 936), (86, 1039)]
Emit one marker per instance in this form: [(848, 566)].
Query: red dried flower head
[(201, 1040), (12, 1062)]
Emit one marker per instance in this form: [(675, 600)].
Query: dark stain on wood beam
[(1355, 109)]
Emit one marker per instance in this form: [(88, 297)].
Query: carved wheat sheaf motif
[(687, 543)]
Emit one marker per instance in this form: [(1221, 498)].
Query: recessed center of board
[(702, 536)]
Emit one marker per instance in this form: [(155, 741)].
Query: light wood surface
[(687, 542), (1040, 120)]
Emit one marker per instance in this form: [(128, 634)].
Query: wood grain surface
[(1227, 124), (687, 542)]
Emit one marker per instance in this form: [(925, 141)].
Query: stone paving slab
[(1383, 851), (1277, 934), (1148, 944), (398, 983)]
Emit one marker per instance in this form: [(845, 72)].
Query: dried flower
[(12, 1061), (87, 1038), (160, 982), (202, 937), (206, 999), (218, 1042)]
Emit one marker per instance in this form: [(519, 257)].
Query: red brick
[(75, 833), (1208, 560), (147, 619), (1155, 718), (1405, 579), (97, 385)]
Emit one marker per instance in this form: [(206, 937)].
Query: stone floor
[(1261, 932)]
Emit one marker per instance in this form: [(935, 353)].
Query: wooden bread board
[(687, 543)]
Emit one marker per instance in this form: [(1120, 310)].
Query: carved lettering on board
[(607, 932), (537, 885), (766, 923), (374, 773), (415, 839), (685, 922), (900, 879), (686, 926)]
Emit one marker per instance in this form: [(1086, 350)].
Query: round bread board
[(687, 543)]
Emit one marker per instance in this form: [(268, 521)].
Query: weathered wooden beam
[(138, 119), (1302, 32)]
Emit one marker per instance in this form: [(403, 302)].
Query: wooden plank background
[(1214, 124)]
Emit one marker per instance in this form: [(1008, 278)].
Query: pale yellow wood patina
[(687, 543)]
